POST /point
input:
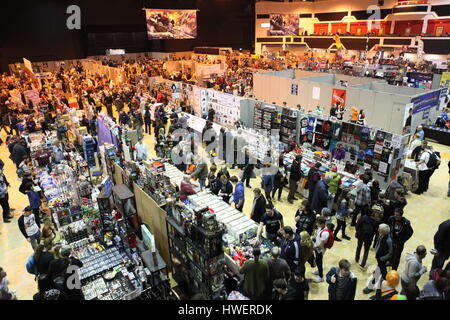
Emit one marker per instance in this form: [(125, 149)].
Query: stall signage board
[(445, 79), (426, 101), (338, 95)]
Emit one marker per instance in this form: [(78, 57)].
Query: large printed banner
[(284, 25), (171, 24), (426, 101), (338, 96)]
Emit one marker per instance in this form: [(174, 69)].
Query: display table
[(440, 135)]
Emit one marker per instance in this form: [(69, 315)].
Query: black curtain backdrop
[(36, 29)]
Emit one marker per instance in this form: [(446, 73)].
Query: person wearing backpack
[(324, 240), (39, 262), (426, 165), (401, 231), (365, 231)]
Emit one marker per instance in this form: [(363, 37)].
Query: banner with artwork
[(171, 24), (284, 25), (339, 96), (28, 67)]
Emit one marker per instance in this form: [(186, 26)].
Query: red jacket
[(186, 190)]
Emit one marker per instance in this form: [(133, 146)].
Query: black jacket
[(350, 289), (384, 249), (290, 251), (313, 178), (405, 232), (296, 171), (22, 224), (279, 180), (44, 261), (305, 223), (442, 237), (259, 210), (19, 153)]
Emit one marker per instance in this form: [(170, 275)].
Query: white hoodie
[(413, 269)]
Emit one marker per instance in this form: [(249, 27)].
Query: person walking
[(384, 250), (401, 231), (148, 120), (320, 246), (247, 168), (342, 212), (424, 165), (366, 227), (341, 282), (4, 197), (294, 177), (414, 268), (30, 226), (321, 195), (256, 275), (267, 182), (363, 198)]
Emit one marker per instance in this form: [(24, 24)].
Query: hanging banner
[(171, 24), (28, 67), (284, 25), (338, 95), (316, 93), (426, 101)]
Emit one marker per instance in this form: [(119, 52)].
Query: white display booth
[(386, 106)]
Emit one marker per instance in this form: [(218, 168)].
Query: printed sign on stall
[(339, 96), (33, 96)]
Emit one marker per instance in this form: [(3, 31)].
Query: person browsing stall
[(141, 150), (273, 220)]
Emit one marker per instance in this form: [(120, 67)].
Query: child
[(343, 211)]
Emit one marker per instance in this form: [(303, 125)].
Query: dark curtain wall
[(37, 29)]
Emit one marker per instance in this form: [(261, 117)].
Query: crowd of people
[(380, 219)]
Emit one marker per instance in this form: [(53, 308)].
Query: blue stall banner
[(426, 101)]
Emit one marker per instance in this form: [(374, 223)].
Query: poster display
[(316, 93), (284, 25), (294, 89), (171, 24), (338, 95), (226, 106)]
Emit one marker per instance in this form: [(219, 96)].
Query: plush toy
[(239, 256)]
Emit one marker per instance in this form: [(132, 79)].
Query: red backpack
[(330, 240)]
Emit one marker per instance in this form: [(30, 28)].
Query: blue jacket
[(35, 199), (239, 192), (290, 251), (320, 197), (267, 182), (350, 289)]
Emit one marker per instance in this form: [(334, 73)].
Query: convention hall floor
[(426, 212)]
